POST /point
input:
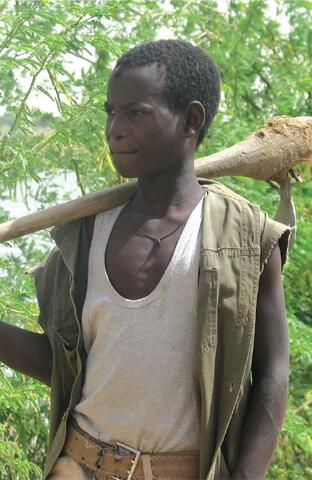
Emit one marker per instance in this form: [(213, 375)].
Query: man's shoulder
[(222, 190), (72, 228)]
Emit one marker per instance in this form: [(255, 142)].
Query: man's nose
[(117, 127)]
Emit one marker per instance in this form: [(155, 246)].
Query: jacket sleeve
[(271, 233)]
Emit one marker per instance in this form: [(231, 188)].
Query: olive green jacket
[(237, 239)]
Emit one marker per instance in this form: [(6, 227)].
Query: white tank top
[(139, 386)]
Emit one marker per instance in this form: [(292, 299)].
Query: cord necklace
[(142, 233)]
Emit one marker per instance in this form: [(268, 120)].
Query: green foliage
[(295, 447), (38, 40), (298, 293), (264, 70), (23, 420), (264, 64), (24, 402)]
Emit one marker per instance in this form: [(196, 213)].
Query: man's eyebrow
[(107, 105)]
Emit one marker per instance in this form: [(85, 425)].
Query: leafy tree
[(264, 64)]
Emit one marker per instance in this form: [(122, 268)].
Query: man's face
[(143, 135)]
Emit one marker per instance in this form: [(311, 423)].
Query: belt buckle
[(134, 462)]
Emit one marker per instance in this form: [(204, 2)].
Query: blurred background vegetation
[(55, 58)]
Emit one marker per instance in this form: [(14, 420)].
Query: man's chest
[(135, 264)]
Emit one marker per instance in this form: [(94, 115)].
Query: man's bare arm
[(25, 351), (267, 402)]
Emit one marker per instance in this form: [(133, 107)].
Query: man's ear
[(194, 118)]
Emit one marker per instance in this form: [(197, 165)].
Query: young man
[(170, 338)]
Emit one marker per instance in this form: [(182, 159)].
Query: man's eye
[(136, 112), (110, 111)]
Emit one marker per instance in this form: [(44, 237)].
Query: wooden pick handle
[(268, 154)]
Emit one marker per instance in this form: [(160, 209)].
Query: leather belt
[(122, 462)]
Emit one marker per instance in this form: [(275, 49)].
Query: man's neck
[(172, 190)]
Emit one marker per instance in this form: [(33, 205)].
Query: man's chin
[(128, 170), (126, 173)]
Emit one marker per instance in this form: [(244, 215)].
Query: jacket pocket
[(70, 354), (65, 327), (208, 308)]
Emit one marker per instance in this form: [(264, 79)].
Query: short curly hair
[(190, 74)]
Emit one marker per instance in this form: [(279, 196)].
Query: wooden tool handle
[(268, 154)]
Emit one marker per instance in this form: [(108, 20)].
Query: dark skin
[(27, 352), (158, 146), (139, 121), (267, 402)]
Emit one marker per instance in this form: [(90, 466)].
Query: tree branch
[(59, 102), (15, 28), (39, 146), (78, 178), (22, 106)]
